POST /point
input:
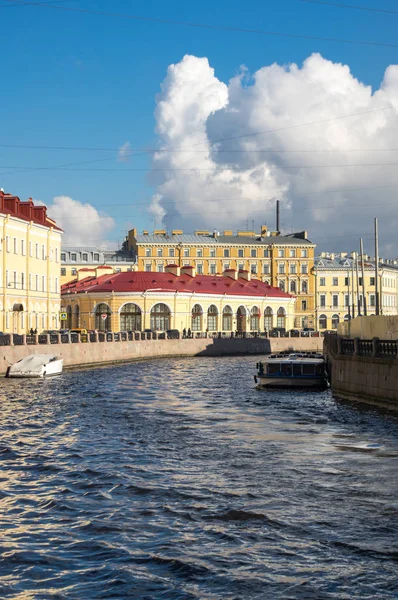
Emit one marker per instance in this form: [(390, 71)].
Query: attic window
[(320, 264)]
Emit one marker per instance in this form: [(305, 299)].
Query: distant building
[(30, 249), (337, 295), (177, 298), (284, 261), (74, 258)]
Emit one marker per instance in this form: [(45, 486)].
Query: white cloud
[(82, 223), (223, 184), (124, 152)]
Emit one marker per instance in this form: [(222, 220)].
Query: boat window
[(296, 369), (286, 369), (319, 369), (274, 369), (308, 369)]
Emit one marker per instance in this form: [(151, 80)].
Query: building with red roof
[(178, 298)]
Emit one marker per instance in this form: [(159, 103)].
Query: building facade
[(339, 293), (284, 261), (177, 298), (30, 267), (74, 258)]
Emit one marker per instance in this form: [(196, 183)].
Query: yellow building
[(337, 292), (177, 298), (30, 254), (74, 258), (284, 261)]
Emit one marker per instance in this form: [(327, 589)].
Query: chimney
[(176, 232), (277, 216), (173, 269), (188, 270), (232, 273), (343, 254), (227, 231), (104, 270), (243, 274), (83, 273)]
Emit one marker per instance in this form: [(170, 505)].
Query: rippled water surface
[(176, 479)]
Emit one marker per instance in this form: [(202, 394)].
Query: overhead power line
[(364, 8), (209, 26)]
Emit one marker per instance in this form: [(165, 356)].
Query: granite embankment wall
[(360, 372), (85, 354)]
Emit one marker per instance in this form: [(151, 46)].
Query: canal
[(176, 479)]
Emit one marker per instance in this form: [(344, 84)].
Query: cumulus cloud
[(82, 223), (227, 152), (124, 152)]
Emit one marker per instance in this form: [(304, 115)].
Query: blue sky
[(83, 80)]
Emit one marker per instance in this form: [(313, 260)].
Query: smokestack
[(277, 216)]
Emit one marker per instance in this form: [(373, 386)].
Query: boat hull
[(49, 369), (291, 382)]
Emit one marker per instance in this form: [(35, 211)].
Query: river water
[(176, 479)]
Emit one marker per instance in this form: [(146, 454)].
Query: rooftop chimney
[(232, 273), (173, 269), (243, 274), (188, 270)]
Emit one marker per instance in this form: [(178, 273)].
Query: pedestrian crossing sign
[(63, 316)]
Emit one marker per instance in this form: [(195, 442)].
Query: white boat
[(292, 370), (36, 365)]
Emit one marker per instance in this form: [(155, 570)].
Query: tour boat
[(292, 370), (36, 365)]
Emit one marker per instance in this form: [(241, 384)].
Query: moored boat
[(292, 370), (36, 365)]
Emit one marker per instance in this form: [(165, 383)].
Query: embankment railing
[(357, 347)]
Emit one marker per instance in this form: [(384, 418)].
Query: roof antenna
[(277, 216)]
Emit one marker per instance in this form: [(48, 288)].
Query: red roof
[(27, 211), (130, 281)]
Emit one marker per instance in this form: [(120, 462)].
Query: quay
[(106, 348), (363, 367)]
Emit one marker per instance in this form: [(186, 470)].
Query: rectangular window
[(346, 281), (253, 253), (199, 269), (23, 247), (335, 300), (7, 280), (372, 299), (30, 281), (96, 257), (212, 269), (335, 281), (63, 256), (73, 272), (186, 252), (293, 269), (304, 269), (212, 252), (15, 280), (241, 266), (322, 299), (360, 281), (226, 253), (253, 269), (199, 252), (266, 269), (22, 281), (346, 300), (160, 251), (73, 257), (37, 283), (30, 249), (43, 284), (240, 253), (147, 252), (292, 253), (85, 257), (304, 253), (281, 253), (372, 281), (281, 269), (43, 252), (15, 245), (63, 272), (266, 253), (118, 270), (171, 252), (56, 285), (304, 305), (147, 267), (226, 266), (56, 254), (7, 243), (160, 269), (322, 281)]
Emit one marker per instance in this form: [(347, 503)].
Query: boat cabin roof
[(315, 357)]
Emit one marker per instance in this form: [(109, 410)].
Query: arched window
[(77, 317), (69, 317), (130, 317), (103, 317), (293, 287), (323, 322), (227, 318), (196, 321), (160, 317), (268, 317), (282, 285), (281, 317), (347, 317), (255, 319), (241, 319), (304, 287), (212, 318), (335, 321)]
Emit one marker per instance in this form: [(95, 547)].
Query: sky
[(117, 122)]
